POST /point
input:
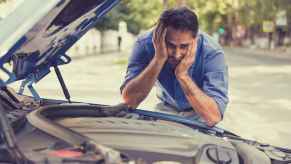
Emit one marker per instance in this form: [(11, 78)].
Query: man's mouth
[(173, 61)]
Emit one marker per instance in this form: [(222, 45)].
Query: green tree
[(139, 14), (214, 14)]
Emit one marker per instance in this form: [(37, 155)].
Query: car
[(40, 130)]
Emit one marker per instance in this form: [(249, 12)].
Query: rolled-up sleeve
[(215, 83), (136, 63)]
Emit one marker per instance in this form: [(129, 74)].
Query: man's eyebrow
[(169, 42), (173, 44), (185, 44)]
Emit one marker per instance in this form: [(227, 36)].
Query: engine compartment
[(52, 128)]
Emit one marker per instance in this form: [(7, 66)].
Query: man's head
[(182, 28)]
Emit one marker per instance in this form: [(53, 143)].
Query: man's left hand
[(185, 64)]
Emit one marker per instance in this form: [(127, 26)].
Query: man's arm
[(139, 87), (206, 106)]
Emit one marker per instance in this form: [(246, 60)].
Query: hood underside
[(46, 42)]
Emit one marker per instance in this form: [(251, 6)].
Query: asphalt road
[(260, 105)]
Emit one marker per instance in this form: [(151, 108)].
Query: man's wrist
[(160, 60), (182, 76)]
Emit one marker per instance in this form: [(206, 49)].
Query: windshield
[(251, 41)]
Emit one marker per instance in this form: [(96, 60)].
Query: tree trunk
[(181, 3), (166, 4), (270, 40), (102, 38)]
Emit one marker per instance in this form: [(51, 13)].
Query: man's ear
[(195, 40)]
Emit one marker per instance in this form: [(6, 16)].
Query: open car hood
[(38, 34)]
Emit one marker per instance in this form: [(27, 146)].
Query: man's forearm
[(138, 88), (204, 105)]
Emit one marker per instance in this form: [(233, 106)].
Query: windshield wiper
[(8, 137), (179, 119)]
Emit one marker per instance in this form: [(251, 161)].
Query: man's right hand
[(137, 89), (159, 41)]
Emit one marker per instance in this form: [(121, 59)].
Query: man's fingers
[(193, 51), (159, 36), (164, 33), (189, 51), (160, 31), (156, 34), (191, 47), (163, 37), (190, 57), (154, 39), (194, 46)]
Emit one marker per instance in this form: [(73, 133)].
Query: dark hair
[(181, 18)]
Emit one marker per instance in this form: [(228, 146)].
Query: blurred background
[(263, 24), (256, 23), (256, 35)]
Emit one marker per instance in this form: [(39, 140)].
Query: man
[(187, 66)]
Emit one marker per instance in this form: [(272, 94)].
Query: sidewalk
[(282, 53)]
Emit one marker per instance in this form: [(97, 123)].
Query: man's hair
[(181, 18)]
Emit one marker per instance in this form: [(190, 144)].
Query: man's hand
[(159, 37), (203, 105), (137, 89), (185, 64)]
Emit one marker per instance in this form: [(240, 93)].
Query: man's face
[(178, 43)]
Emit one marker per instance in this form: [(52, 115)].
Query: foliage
[(139, 14), (142, 14), (216, 13)]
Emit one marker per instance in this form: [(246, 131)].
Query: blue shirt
[(209, 72)]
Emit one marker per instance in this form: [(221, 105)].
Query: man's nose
[(178, 54)]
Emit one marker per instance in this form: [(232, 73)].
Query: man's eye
[(184, 46), (171, 45)]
